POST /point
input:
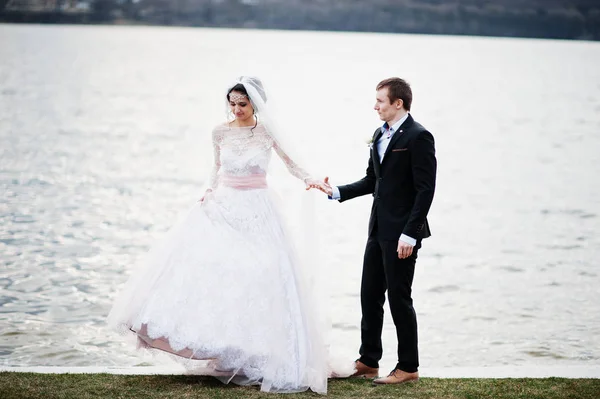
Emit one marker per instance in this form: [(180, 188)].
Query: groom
[(401, 177)]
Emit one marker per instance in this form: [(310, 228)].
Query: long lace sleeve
[(216, 139), (292, 166)]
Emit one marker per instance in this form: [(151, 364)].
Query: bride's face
[(240, 106)]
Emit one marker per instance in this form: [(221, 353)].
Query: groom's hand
[(326, 187), (404, 250)]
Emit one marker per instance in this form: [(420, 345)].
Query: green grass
[(82, 386)]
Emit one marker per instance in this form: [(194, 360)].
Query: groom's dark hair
[(398, 89)]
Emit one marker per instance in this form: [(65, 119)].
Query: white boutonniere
[(370, 142)]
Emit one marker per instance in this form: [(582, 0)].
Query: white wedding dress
[(224, 283)]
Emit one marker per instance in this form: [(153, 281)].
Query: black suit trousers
[(382, 270)]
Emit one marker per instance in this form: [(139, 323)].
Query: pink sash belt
[(249, 182)]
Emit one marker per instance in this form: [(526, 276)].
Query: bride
[(224, 284)]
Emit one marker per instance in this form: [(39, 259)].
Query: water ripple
[(99, 157)]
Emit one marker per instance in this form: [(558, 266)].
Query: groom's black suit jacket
[(402, 185)]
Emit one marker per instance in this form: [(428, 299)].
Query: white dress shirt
[(382, 145), (386, 137)]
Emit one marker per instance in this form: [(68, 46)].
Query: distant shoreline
[(150, 24), (449, 18)]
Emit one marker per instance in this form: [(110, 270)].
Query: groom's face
[(387, 111)]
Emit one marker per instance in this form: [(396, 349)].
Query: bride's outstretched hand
[(312, 183), (324, 185)]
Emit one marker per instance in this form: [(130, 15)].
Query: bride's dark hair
[(239, 87)]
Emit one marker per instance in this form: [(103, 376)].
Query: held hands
[(324, 186)]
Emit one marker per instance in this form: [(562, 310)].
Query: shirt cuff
[(336, 193), (408, 240)]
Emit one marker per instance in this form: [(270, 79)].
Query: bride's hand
[(205, 195), (313, 183), (320, 185)]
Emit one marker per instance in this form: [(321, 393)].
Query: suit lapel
[(397, 135), (374, 152)]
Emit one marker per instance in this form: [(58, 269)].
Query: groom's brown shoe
[(364, 371), (397, 377)]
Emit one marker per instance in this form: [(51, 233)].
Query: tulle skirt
[(225, 285)]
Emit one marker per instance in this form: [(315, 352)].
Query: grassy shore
[(84, 386)]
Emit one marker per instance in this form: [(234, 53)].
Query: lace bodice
[(246, 151)]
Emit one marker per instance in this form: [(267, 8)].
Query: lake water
[(105, 140)]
